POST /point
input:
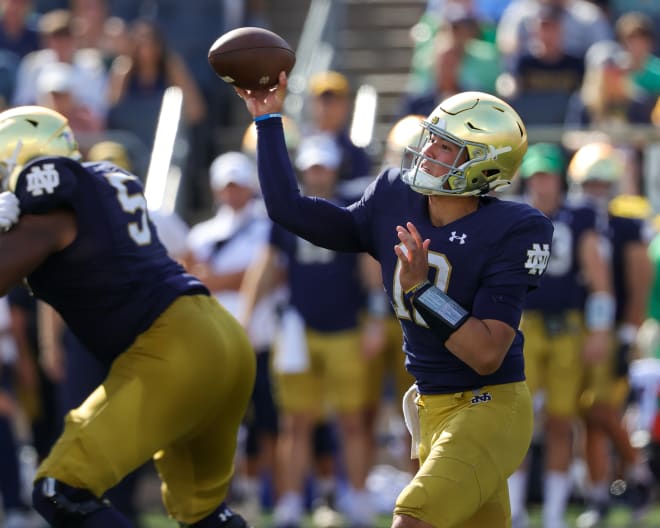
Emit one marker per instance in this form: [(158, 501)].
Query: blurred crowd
[(325, 434)]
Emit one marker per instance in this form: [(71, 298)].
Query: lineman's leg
[(197, 467), (163, 388)]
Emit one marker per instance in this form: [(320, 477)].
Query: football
[(251, 57)]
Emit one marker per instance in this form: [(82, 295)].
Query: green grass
[(619, 518)]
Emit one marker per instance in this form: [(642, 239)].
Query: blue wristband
[(267, 116)]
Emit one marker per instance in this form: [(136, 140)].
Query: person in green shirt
[(635, 31)]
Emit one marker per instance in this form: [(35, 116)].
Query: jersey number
[(132, 203), (442, 267)]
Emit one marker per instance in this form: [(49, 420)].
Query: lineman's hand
[(9, 210), (414, 258), (266, 101)]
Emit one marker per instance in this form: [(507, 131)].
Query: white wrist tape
[(627, 333), (599, 311)]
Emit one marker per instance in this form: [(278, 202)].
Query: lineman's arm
[(30, 242)]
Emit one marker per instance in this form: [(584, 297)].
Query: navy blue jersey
[(620, 232), (562, 287), (486, 260), (318, 277), (115, 278)]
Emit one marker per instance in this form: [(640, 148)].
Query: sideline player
[(457, 265), (594, 173), (561, 338), (181, 368)]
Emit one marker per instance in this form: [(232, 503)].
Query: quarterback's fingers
[(414, 233), (282, 79), (406, 239)]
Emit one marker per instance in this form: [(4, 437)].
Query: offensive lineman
[(181, 368)]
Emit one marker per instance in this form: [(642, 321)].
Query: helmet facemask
[(461, 178)]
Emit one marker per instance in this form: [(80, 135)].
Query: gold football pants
[(177, 395)]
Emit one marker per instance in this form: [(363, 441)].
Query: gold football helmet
[(291, 137), (405, 132), (28, 132), (487, 128), (596, 162)]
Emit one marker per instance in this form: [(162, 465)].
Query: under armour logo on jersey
[(42, 178), (461, 238), (480, 398), (537, 259), (225, 515)]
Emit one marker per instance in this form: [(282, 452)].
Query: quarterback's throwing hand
[(9, 210), (265, 101)]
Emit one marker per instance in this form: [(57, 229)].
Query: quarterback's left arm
[(481, 343), (31, 241)]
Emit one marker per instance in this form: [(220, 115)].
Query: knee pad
[(64, 506)]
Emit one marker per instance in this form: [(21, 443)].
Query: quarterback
[(181, 368), (456, 265)]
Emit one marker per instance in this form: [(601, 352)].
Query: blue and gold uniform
[(334, 364), (553, 321), (181, 368), (608, 382), (486, 261)]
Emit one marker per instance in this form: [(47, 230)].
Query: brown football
[(251, 57)]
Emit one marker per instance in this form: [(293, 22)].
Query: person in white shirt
[(220, 251)]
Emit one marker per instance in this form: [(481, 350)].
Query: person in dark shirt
[(181, 369), (457, 265)]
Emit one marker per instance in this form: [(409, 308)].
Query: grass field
[(619, 518)]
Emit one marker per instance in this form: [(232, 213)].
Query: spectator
[(636, 33), (89, 78), (95, 28), (584, 24), (617, 8), (18, 28), (541, 79), (139, 79), (330, 110), (605, 96), (55, 90), (462, 62)]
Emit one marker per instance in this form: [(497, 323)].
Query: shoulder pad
[(46, 184)]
